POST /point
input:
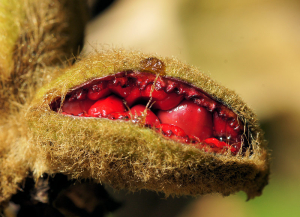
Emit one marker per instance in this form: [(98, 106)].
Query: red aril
[(105, 106), (222, 128), (138, 110), (168, 129), (193, 119), (134, 96), (172, 100), (120, 91), (76, 107), (98, 91), (156, 94)]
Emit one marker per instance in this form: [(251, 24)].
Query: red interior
[(172, 107)]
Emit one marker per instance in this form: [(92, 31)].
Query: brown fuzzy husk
[(126, 155), (35, 38), (46, 33), (34, 43)]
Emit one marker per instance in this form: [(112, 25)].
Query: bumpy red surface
[(171, 107)]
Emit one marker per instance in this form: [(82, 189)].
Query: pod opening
[(171, 107)]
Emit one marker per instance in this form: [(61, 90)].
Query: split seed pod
[(145, 140), (129, 151)]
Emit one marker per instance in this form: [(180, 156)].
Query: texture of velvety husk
[(126, 155), (36, 37)]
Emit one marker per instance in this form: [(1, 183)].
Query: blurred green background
[(250, 46)]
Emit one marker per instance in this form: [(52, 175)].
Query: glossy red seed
[(227, 126), (211, 140), (79, 94), (65, 113), (234, 148), (171, 101), (84, 114), (139, 110), (215, 143), (98, 91), (174, 129), (171, 86), (156, 94), (160, 83), (120, 91), (222, 127), (194, 139), (118, 116), (76, 107), (104, 107), (120, 81), (193, 119), (143, 81), (134, 96)]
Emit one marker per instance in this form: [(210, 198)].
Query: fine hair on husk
[(38, 44)]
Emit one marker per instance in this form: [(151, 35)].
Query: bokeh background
[(250, 46)]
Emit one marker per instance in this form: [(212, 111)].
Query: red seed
[(171, 86), (194, 139), (98, 91), (222, 127), (215, 142), (120, 91), (120, 81), (76, 107), (174, 129), (156, 94), (222, 146), (118, 116), (143, 81), (79, 94), (225, 132), (134, 96), (234, 148), (139, 110), (104, 107), (84, 115), (193, 119), (65, 113), (171, 101)]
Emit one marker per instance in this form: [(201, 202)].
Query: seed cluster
[(172, 107)]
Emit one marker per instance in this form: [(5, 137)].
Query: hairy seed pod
[(131, 120), (127, 155)]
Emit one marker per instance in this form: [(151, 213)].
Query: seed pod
[(139, 151), (128, 119)]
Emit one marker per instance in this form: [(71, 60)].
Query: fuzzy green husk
[(35, 41), (10, 15), (126, 155), (35, 38)]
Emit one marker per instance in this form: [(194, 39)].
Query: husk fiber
[(37, 40)]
